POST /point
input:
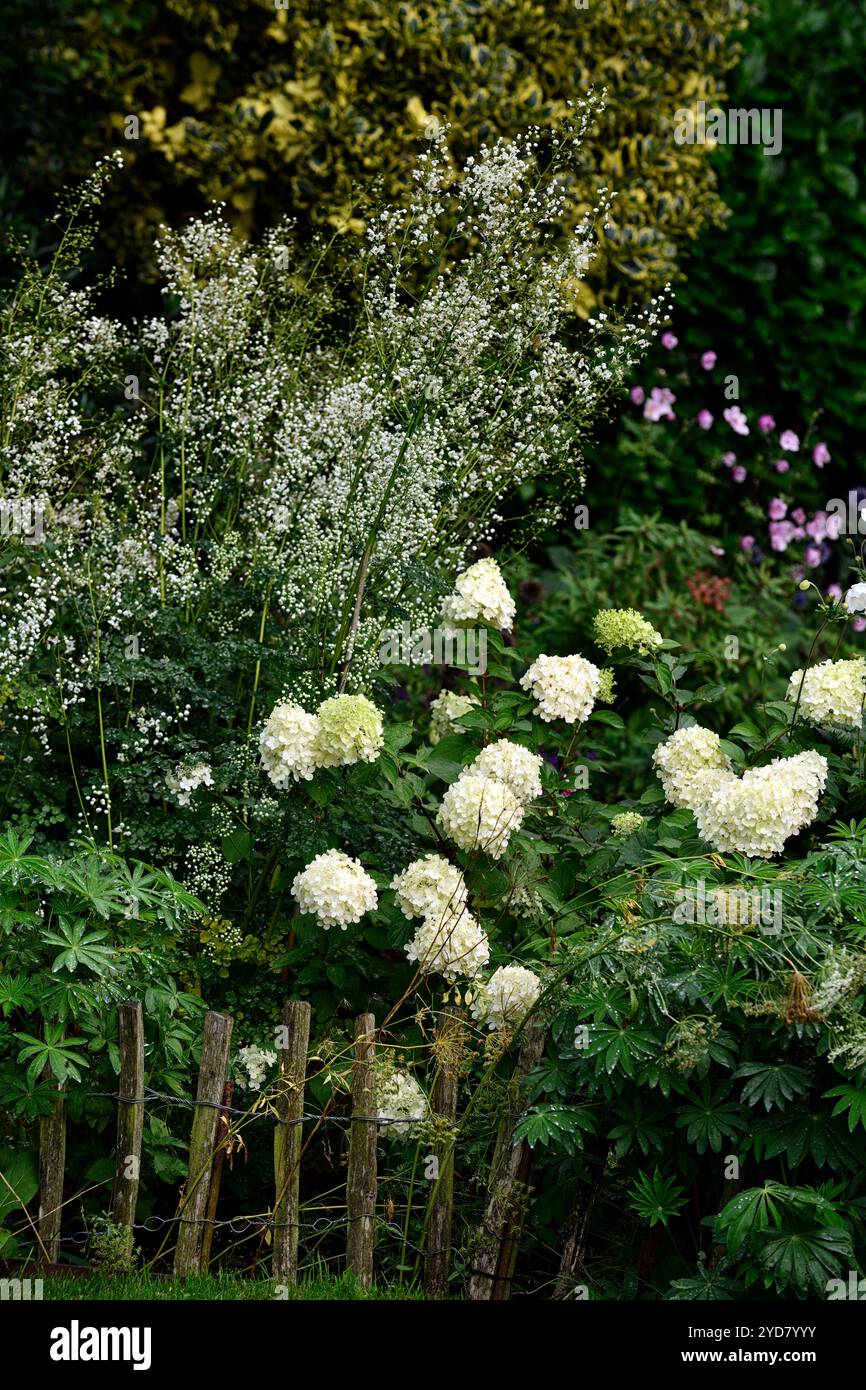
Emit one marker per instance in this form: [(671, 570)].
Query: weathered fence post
[(443, 1103), (495, 1248), (292, 1041), (361, 1183), (52, 1163), (211, 1079), (213, 1196), (130, 1117)]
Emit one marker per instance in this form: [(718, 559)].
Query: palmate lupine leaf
[(853, 1100), (52, 1051), (805, 1260), (656, 1199), (556, 1126), (800, 1134), (710, 1119), (772, 1086), (79, 948)]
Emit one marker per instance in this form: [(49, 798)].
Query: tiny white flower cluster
[(400, 1105), (346, 729), (566, 687), (481, 596), (753, 814), (336, 889), (833, 692), (187, 779), (506, 998), (256, 1062)]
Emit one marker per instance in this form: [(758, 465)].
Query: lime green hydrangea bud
[(350, 731), (627, 823), (624, 627), (606, 687)]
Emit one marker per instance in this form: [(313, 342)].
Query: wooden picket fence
[(493, 1252)]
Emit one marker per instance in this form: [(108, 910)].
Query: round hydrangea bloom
[(480, 813), (288, 744), (507, 997), (481, 596), (444, 710), (337, 889), (187, 779), (691, 765), (428, 886), (756, 813), (400, 1104), (350, 731), (566, 687), (512, 765), (627, 823), (450, 943), (624, 627), (833, 692)]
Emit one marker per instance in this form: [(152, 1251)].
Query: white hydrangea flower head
[(833, 692), (428, 886), (480, 813), (756, 813), (188, 778), (514, 766), (287, 744), (450, 943), (566, 687), (444, 710), (506, 998), (627, 823), (256, 1062), (691, 765), (350, 731), (336, 889), (400, 1104), (480, 596)]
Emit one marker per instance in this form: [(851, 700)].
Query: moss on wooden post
[(292, 1042), (361, 1184), (211, 1080), (130, 1117)]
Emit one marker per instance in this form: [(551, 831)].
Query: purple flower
[(658, 407), (729, 460), (789, 440), (781, 534), (747, 543), (812, 555), (669, 341), (717, 550), (736, 419), (782, 465), (708, 360), (766, 423), (799, 516), (777, 509), (739, 474), (704, 419), (637, 395), (859, 624), (834, 591), (821, 455)]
